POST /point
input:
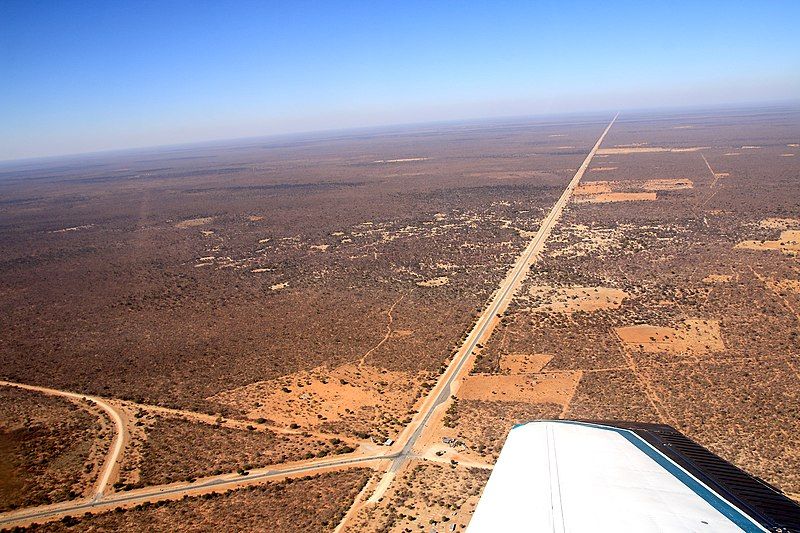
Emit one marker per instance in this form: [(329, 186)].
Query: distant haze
[(84, 76)]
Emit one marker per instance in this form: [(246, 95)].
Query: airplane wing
[(568, 476)]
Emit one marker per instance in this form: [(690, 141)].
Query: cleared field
[(356, 399), (788, 243), (546, 388), (692, 337), (598, 192), (575, 299)]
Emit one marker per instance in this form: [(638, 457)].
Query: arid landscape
[(337, 331)]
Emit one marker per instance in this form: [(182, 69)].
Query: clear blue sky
[(85, 76)]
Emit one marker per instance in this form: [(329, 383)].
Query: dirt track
[(111, 464)]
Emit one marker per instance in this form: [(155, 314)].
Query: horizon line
[(395, 125)]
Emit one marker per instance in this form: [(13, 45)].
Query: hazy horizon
[(113, 77), (323, 134)]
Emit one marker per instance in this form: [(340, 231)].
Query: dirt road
[(111, 464)]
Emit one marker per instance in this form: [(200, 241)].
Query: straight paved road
[(488, 320), (178, 490)]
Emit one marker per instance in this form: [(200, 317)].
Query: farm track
[(111, 464)]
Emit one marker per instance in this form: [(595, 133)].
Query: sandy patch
[(592, 187), (783, 286), (279, 286), (646, 150), (693, 337), (193, 222), (255, 218), (717, 278), (627, 191), (603, 169), (320, 247), (73, 228), (405, 160), (787, 155), (617, 197), (259, 270), (555, 388), (788, 243), (425, 497), (435, 282), (400, 333), (669, 184), (575, 298), (506, 175), (524, 363), (308, 398), (780, 223), (731, 153)]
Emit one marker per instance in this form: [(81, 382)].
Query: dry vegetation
[(483, 425), (598, 192), (356, 400), (172, 277), (703, 333), (552, 387), (180, 450), (214, 280), (319, 287), (425, 497), (309, 504), (50, 448)]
